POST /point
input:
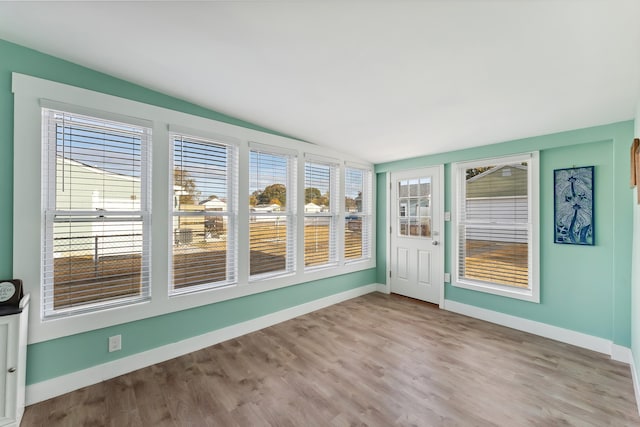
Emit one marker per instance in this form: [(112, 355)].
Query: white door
[(416, 243)]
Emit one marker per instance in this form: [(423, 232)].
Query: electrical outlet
[(115, 343), (447, 277)]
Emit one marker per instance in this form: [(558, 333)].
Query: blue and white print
[(574, 206)]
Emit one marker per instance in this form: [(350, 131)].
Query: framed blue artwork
[(573, 206)]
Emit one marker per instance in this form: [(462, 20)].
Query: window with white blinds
[(321, 208), (495, 204), (204, 218), (272, 219), (96, 244), (131, 210), (357, 207)]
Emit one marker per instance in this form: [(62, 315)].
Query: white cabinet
[(13, 361)]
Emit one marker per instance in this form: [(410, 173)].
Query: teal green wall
[(585, 289), (57, 357), (381, 227)]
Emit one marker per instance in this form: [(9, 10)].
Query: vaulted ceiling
[(384, 80)]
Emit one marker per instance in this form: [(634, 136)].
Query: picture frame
[(573, 206), (635, 167), (634, 164)]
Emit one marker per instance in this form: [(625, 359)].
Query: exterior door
[(416, 236)]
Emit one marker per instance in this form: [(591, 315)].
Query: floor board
[(376, 360)]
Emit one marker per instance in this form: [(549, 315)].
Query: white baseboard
[(383, 289), (579, 339), (621, 354), (63, 384), (636, 381)]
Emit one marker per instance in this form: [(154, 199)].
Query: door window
[(414, 207)]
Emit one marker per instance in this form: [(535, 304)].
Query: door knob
[(435, 243), (11, 370)]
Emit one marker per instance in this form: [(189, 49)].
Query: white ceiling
[(384, 80)]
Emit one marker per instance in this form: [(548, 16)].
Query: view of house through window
[(96, 245), (204, 221), (494, 224)]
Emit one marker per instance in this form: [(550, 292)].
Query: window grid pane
[(96, 241), (414, 207), (357, 230), (270, 240), (320, 214), (203, 229), (494, 229), (272, 219)]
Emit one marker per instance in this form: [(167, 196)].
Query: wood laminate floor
[(376, 360)]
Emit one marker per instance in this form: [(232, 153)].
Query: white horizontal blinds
[(272, 217), (357, 205), (494, 226), (96, 186), (321, 209), (204, 225)]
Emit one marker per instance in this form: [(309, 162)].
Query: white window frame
[(366, 213), (334, 209), (289, 213), (30, 92), (231, 213), (49, 193), (532, 292)]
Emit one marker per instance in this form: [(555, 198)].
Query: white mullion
[(232, 213), (169, 289), (294, 177), (367, 206), (242, 247), (335, 237), (343, 210), (49, 127), (145, 208)]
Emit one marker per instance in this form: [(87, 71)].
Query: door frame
[(443, 238)]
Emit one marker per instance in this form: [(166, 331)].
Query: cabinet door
[(8, 360)]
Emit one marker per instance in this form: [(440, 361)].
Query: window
[(357, 207), (272, 220), (414, 207), (321, 209), (204, 225), (85, 209), (497, 226), (96, 208)]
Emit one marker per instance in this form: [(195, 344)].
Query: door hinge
[(389, 274), (390, 232)]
